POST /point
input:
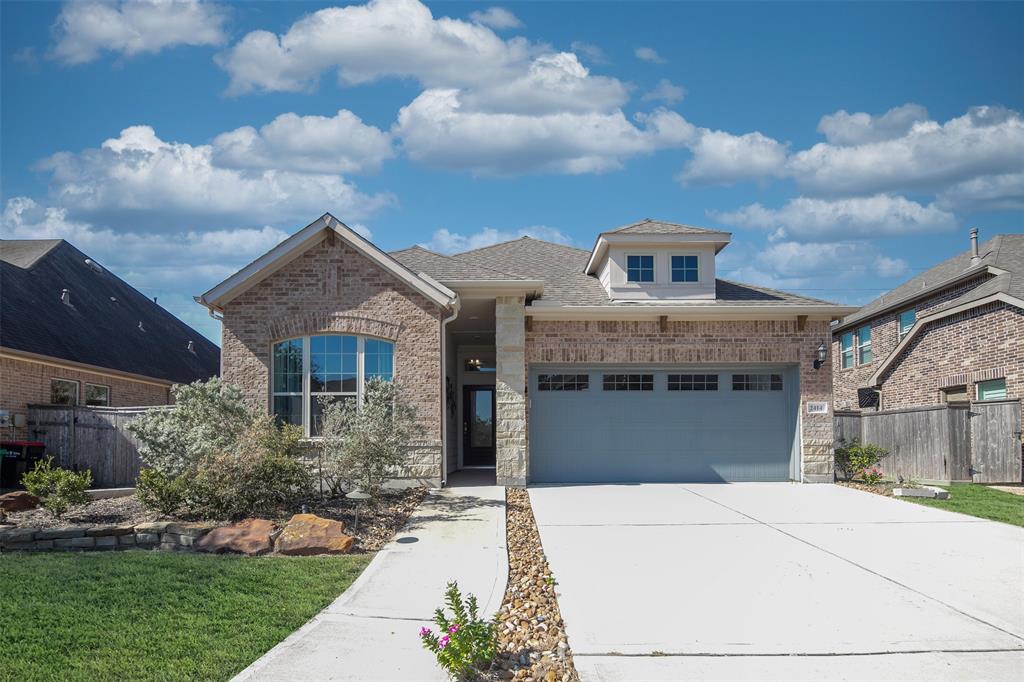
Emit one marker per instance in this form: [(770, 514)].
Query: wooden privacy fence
[(93, 438), (979, 442)]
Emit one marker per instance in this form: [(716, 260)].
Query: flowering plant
[(465, 643), (872, 476)]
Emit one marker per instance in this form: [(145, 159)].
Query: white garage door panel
[(661, 435)]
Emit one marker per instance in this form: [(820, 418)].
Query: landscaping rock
[(109, 529), (153, 527), (17, 535), (251, 537), (191, 530), (19, 500), (106, 542), (61, 533), (307, 534), (147, 538)]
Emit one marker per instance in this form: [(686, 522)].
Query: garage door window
[(628, 382), (563, 382), (757, 382), (693, 382)]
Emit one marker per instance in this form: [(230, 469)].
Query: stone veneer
[(156, 535), (512, 466), (685, 342), (332, 288)]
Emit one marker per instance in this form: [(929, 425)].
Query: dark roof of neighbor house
[(100, 326), (1004, 251), (652, 226), (446, 268), (565, 283)]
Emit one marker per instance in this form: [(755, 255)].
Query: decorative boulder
[(251, 537), (19, 500), (307, 534)]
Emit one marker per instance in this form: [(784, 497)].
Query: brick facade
[(334, 288), (26, 382), (682, 342)]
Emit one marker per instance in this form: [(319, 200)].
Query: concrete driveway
[(780, 581)]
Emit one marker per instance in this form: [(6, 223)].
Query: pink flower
[(424, 632), (453, 629), (443, 642)]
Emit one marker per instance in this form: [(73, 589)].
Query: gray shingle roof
[(1004, 251), (651, 226), (25, 252), (445, 268)]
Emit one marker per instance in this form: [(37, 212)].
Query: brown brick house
[(542, 362), (954, 333), (71, 332)]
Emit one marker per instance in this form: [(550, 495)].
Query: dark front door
[(478, 435)]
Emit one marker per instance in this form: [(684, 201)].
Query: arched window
[(308, 367)]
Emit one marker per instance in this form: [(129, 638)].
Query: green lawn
[(980, 501), (155, 615)]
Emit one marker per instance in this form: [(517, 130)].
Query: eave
[(688, 312)]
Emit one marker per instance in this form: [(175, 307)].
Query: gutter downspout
[(456, 306)]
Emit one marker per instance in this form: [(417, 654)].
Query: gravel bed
[(532, 644), (884, 488), (118, 511)]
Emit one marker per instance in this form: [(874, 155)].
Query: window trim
[(109, 394), (864, 345), (900, 331), (654, 268), (843, 350), (977, 390), (307, 351), (671, 270), (78, 390)]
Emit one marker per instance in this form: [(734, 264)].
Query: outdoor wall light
[(822, 352)]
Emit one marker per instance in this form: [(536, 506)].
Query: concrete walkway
[(371, 631), (780, 581)]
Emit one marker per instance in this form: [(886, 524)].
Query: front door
[(478, 437)]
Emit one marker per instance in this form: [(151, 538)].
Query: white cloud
[(86, 28), (649, 54), (985, 193), (138, 179), (593, 53), (445, 241), (309, 144), (437, 131), (665, 92), (846, 129), (496, 17), (929, 157), (722, 158), (825, 220), (384, 38), (838, 259)]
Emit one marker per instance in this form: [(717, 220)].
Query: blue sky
[(846, 146)]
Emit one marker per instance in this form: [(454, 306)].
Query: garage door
[(655, 424)]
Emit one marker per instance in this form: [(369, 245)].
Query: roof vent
[(192, 347), (93, 264), (113, 299), (154, 299), (975, 258), (141, 328), (65, 297)]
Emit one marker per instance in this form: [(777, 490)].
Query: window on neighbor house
[(333, 365), (97, 395), (63, 392), (846, 350), (640, 268), (992, 390), (685, 269), (864, 345), (906, 321)]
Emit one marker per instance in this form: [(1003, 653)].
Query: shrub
[(854, 458), (467, 642), (362, 446), (57, 489), (871, 476), (160, 492)]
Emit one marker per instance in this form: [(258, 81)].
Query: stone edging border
[(165, 535)]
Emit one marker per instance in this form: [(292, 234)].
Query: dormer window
[(685, 269), (639, 268)]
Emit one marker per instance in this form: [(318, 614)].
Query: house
[(952, 334), (546, 363), (71, 332)]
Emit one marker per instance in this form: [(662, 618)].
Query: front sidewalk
[(371, 631)]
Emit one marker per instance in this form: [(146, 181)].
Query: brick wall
[(884, 337), (334, 288), (23, 382), (768, 341)]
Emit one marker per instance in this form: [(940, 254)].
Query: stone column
[(513, 464)]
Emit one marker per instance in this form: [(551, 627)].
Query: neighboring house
[(628, 362), (72, 332), (954, 333)]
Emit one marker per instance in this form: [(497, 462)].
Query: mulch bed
[(532, 644), (884, 488), (378, 523)]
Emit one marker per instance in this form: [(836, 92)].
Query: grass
[(155, 615), (980, 501)]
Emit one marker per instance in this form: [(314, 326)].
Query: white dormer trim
[(604, 242)]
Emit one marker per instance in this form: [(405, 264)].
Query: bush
[(363, 446), (871, 476), (159, 492), (855, 458), (467, 644), (57, 489)]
